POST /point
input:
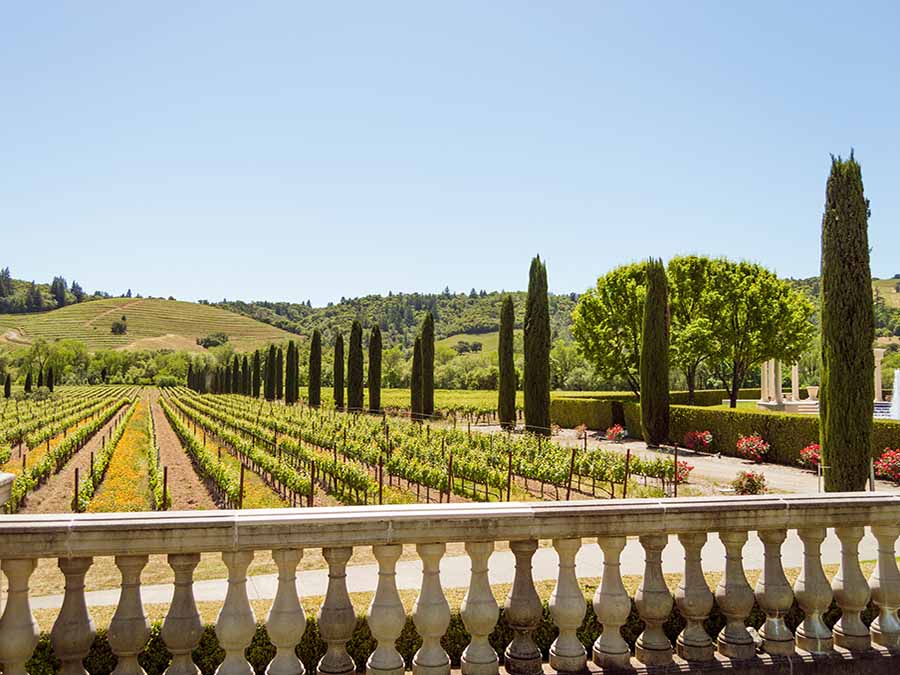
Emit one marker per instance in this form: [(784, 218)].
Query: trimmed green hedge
[(208, 655)]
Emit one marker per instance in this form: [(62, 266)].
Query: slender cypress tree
[(270, 374), (245, 376), (375, 369), (847, 328), (190, 377), (315, 370), (355, 369), (537, 351), (339, 372), (506, 405), (428, 365), (279, 374), (40, 378), (415, 381), (288, 366), (655, 357), (236, 375), (7, 386), (28, 383), (50, 378), (256, 382)]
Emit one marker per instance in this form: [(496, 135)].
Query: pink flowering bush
[(887, 467), (810, 456), (749, 483), (616, 433), (753, 448), (698, 440), (683, 471)]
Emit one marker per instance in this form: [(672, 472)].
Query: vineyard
[(96, 449)]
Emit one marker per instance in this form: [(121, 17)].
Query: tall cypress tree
[(428, 365), (537, 351), (375, 369), (40, 377), (847, 328), (255, 384), (288, 382), (236, 375), (270, 374), (339, 372), (315, 370), (655, 357), (415, 381), (191, 383), (50, 378), (279, 374), (506, 404), (7, 386), (28, 383), (245, 376), (355, 369)]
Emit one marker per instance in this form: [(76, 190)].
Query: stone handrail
[(75, 539)]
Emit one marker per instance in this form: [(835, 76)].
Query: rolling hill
[(152, 324)]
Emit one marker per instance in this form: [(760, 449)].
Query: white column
[(879, 355), (567, 606), (654, 604), (18, 629), (286, 621), (236, 625), (776, 365), (479, 613), (795, 382), (885, 585), (386, 614), (774, 596), (73, 631), (337, 618), (129, 629), (763, 384), (695, 601), (523, 612), (182, 630), (813, 594), (735, 598), (612, 607), (431, 614), (851, 592)]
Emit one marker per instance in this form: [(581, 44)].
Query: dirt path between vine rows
[(185, 487), (55, 496)]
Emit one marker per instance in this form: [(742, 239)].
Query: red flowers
[(753, 448), (698, 440), (682, 471), (887, 466), (749, 483), (616, 433), (810, 456)]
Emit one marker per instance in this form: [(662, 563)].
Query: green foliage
[(506, 406), (279, 374), (271, 361), (691, 339), (28, 383), (375, 369), (537, 351), (355, 368), (428, 364), (7, 386), (315, 370), (415, 381), (119, 326), (655, 357), (212, 340), (847, 330), (338, 379), (256, 376)]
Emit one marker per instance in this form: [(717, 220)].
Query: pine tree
[(7, 386), (415, 381), (355, 368), (270, 374), (256, 383), (315, 370), (50, 378), (339, 372), (537, 351), (28, 383), (506, 405), (245, 376), (655, 357), (428, 365), (279, 374), (847, 328), (375, 369)]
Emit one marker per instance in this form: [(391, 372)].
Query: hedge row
[(208, 655)]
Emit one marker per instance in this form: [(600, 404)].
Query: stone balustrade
[(74, 540)]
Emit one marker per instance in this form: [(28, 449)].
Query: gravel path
[(185, 487), (55, 496)]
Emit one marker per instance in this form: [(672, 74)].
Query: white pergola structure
[(770, 382)]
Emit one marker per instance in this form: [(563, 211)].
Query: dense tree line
[(18, 296)]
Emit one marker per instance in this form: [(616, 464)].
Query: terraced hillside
[(152, 324)]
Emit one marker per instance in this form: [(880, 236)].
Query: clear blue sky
[(313, 150)]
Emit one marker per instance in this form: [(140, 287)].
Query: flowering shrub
[(810, 456), (683, 471), (698, 440), (887, 466), (752, 447), (749, 483), (616, 433)]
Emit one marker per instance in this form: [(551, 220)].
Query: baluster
[(568, 608), (774, 596), (129, 629), (654, 603), (813, 593), (386, 614), (431, 614), (286, 621), (336, 616), (612, 607), (479, 612), (18, 629), (523, 612), (885, 584), (735, 598), (73, 631), (694, 600), (181, 629), (851, 592)]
